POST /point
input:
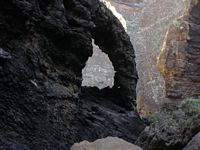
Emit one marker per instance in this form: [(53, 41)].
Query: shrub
[(186, 111)]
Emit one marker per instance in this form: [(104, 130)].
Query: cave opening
[(99, 71), (120, 77)]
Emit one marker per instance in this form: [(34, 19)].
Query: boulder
[(109, 143), (194, 144)]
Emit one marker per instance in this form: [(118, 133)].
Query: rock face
[(147, 36), (194, 144), (168, 72), (44, 46), (147, 23), (179, 58), (109, 143)]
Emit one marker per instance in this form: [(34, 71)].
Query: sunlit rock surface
[(109, 143), (115, 13), (178, 61), (147, 23)]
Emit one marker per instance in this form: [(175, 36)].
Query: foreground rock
[(109, 143), (194, 144)]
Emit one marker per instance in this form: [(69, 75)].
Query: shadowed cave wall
[(44, 45)]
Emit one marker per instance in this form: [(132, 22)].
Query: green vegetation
[(184, 114), (130, 29), (188, 121), (154, 116), (191, 106)]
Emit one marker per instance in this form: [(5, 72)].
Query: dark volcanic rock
[(43, 47)]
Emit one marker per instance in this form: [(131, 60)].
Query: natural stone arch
[(112, 39), (109, 34)]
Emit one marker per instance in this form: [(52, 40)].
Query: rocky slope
[(44, 46), (179, 64)]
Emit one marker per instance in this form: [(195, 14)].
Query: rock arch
[(111, 37)]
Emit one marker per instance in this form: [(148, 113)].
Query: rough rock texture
[(147, 23), (153, 22), (44, 46), (169, 133), (109, 143), (99, 71), (172, 130), (179, 58), (194, 144)]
